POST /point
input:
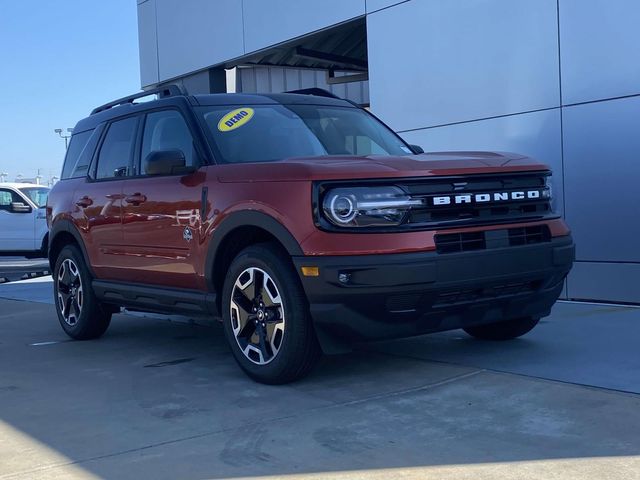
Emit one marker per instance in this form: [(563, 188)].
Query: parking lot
[(163, 399)]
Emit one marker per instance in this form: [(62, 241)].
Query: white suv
[(23, 224)]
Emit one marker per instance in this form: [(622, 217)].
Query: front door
[(161, 214)]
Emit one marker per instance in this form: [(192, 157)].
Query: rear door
[(161, 214), (99, 200), (16, 228)]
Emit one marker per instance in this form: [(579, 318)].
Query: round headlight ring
[(342, 208)]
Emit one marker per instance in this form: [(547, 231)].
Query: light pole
[(66, 137)]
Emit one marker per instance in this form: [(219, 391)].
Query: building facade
[(558, 80)]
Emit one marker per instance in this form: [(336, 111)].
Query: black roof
[(173, 96)]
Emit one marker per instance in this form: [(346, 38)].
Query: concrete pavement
[(156, 399)]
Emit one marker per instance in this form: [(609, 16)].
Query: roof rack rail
[(318, 92), (161, 92)]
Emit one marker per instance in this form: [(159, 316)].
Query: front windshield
[(37, 195), (266, 133)]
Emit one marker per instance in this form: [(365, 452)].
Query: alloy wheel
[(257, 315), (70, 295)]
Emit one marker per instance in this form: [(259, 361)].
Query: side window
[(114, 159), (7, 197), (77, 145), (167, 130)]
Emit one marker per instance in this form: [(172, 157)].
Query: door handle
[(135, 199), (84, 202)]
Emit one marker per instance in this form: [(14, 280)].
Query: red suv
[(302, 221)]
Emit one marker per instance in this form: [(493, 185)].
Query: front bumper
[(401, 295)]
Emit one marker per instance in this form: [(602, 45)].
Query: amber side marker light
[(310, 271)]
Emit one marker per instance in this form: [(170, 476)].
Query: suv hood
[(377, 166)]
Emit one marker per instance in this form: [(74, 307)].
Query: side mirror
[(417, 149), (166, 162), (19, 207)]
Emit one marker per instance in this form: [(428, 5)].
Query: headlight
[(548, 194), (367, 206)]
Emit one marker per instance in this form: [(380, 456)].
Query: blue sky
[(58, 60)]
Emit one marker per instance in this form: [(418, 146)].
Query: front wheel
[(506, 330), (79, 312), (266, 316)]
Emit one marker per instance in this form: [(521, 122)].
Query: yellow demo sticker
[(235, 119)]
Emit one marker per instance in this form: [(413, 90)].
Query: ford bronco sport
[(302, 221)]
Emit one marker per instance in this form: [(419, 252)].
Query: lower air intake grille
[(529, 235), (512, 237)]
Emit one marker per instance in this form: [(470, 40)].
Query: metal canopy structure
[(341, 48)]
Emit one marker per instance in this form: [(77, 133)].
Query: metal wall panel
[(602, 168), (614, 282), (600, 49), (268, 23), (147, 36), (534, 134), (197, 34), (437, 62), (279, 79), (198, 83)]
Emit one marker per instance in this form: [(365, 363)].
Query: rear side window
[(76, 147), (114, 159)]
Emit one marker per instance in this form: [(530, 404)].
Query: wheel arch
[(237, 232), (63, 233)]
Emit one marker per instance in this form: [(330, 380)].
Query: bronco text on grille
[(478, 200)]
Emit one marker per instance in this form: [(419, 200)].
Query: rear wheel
[(266, 316), (506, 330), (79, 312)]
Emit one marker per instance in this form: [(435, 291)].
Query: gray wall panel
[(437, 62), (147, 35), (615, 282), (204, 34), (268, 23), (600, 49), (602, 168), (534, 134), (197, 83)]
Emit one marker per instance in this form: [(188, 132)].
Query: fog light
[(344, 277)]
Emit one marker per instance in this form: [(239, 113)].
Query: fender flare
[(247, 218), (66, 226)]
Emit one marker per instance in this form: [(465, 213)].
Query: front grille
[(485, 199), (512, 237)]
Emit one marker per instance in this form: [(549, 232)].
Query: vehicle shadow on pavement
[(156, 399)]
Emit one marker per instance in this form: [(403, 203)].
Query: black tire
[(44, 249), (506, 330), (92, 320), (297, 346)]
